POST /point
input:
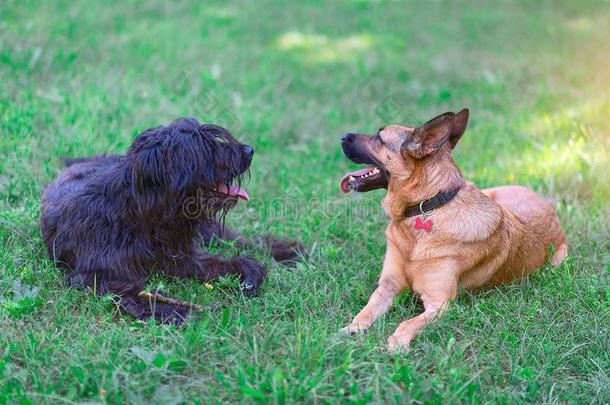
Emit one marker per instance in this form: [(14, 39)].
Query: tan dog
[(444, 231)]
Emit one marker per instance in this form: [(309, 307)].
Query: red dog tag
[(419, 224)]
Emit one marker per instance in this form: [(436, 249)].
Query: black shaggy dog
[(112, 220)]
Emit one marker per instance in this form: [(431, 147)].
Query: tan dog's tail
[(562, 251), (560, 254), (552, 201)]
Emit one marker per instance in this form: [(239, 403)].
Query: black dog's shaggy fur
[(112, 220)]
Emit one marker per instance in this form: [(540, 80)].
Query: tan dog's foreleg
[(391, 283), (436, 288)]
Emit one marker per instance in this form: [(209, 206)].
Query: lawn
[(78, 78)]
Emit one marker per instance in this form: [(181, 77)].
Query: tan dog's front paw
[(398, 344), (353, 329)]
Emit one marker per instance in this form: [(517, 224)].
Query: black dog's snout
[(347, 137), (248, 150)]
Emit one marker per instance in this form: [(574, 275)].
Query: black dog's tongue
[(233, 191)]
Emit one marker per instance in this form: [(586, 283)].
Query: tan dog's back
[(539, 219)]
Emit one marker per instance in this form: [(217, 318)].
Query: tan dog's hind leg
[(436, 289), (391, 283)]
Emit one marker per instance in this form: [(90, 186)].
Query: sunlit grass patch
[(321, 49), (571, 151)]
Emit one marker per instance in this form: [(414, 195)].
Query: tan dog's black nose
[(347, 137)]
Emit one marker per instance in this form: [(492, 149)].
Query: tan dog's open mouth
[(369, 178)]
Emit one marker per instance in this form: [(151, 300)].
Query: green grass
[(78, 78)]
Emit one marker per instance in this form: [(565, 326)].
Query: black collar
[(426, 206)]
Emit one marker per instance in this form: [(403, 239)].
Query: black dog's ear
[(148, 163), (429, 137), (164, 161), (460, 120)]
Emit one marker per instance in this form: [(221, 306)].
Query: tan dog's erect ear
[(460, 120), (429, 137)]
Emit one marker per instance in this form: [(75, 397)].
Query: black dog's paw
[(285, 251), (170, 313), (143, 309), (251, 273)]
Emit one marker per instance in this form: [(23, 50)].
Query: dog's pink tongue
[(345, 179), (233, 191)]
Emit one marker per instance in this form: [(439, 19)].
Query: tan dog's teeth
[(351, 178)]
